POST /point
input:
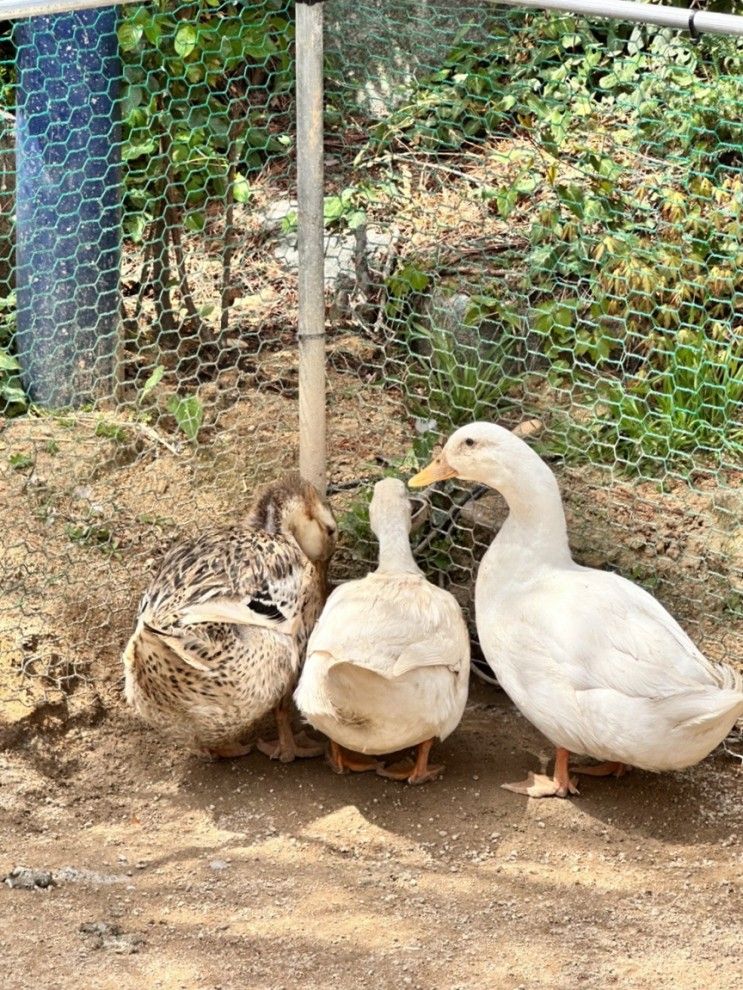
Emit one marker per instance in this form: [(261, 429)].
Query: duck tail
[(720, 706)]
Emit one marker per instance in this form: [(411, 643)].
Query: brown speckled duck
[(222, 629)]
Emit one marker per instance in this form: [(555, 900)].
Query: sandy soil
[(246, 875)]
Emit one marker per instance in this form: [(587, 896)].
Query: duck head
[(480, 452), (294, 507)]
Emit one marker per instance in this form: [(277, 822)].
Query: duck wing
[(207, 588), (603, 631), (391, 626)]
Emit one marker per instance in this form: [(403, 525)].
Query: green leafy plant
[(684, 411), (207, 87), (458, 377), (201, 82), (20, 462), (93, 535), (188, 413), (13, 400), (110, 431)]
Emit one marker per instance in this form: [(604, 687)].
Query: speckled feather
[(222, 628)]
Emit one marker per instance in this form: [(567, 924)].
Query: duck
[(593, 660), (388, 662), (222, 628)]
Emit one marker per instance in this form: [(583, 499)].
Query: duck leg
[(608, 769), (288, 746), (417, 772), (538, 785), (342, 760), (227, 752)]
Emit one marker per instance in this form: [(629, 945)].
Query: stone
[(111, 937), (27, 878)]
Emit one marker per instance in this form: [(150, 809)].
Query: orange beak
[(437, 470)]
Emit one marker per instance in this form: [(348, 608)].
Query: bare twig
[(386, 272), (131, 424), (230, 242)]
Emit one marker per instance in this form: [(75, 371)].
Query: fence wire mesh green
[(527, 215), (559, 202)]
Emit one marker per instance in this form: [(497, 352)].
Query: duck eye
[(469, 442)]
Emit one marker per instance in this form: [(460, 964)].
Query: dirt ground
[(247, 874)]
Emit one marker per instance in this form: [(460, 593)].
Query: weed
[(20, 461), (13, 400), (110, 431), (93, 535)]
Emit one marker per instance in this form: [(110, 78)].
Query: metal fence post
[(309, 89)]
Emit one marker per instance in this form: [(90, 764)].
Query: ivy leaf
[(129, 35), (195, 221), (152, 381), (185, 40), (135, 227), (609, 81), (188, 413), (8, 362), (571, 41), (13, 395), (132, 151), (152, 30), (333, 208), (240, 189)]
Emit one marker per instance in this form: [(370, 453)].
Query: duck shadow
[(260, 798)]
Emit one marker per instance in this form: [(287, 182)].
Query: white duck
[(387, 664), (594, 661)]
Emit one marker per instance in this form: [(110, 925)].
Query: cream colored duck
[(594, 661), (388, 661), (223, 626)]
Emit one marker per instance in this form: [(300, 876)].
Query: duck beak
[(437, 470)]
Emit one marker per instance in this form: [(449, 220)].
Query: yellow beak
[(437, 470)]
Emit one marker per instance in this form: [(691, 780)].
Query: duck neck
[(395, 555), (536, 518)]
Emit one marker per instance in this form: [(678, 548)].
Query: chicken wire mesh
[(547, 213), (527, 216)]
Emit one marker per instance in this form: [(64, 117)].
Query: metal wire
[(525, 215)]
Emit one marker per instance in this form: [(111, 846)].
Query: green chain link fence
[(527, 216)]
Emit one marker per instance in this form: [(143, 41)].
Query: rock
[(27, 878), (276, 213), (347, 254), (218, 864), (486, 513), (447, 312), (111, 937), (73, 874)]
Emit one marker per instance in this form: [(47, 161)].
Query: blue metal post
[(67, 205)]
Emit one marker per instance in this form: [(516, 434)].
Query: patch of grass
[(161, 522), (20, 461), (13, 399), (111, 431), (93, 535), (457, 376)]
